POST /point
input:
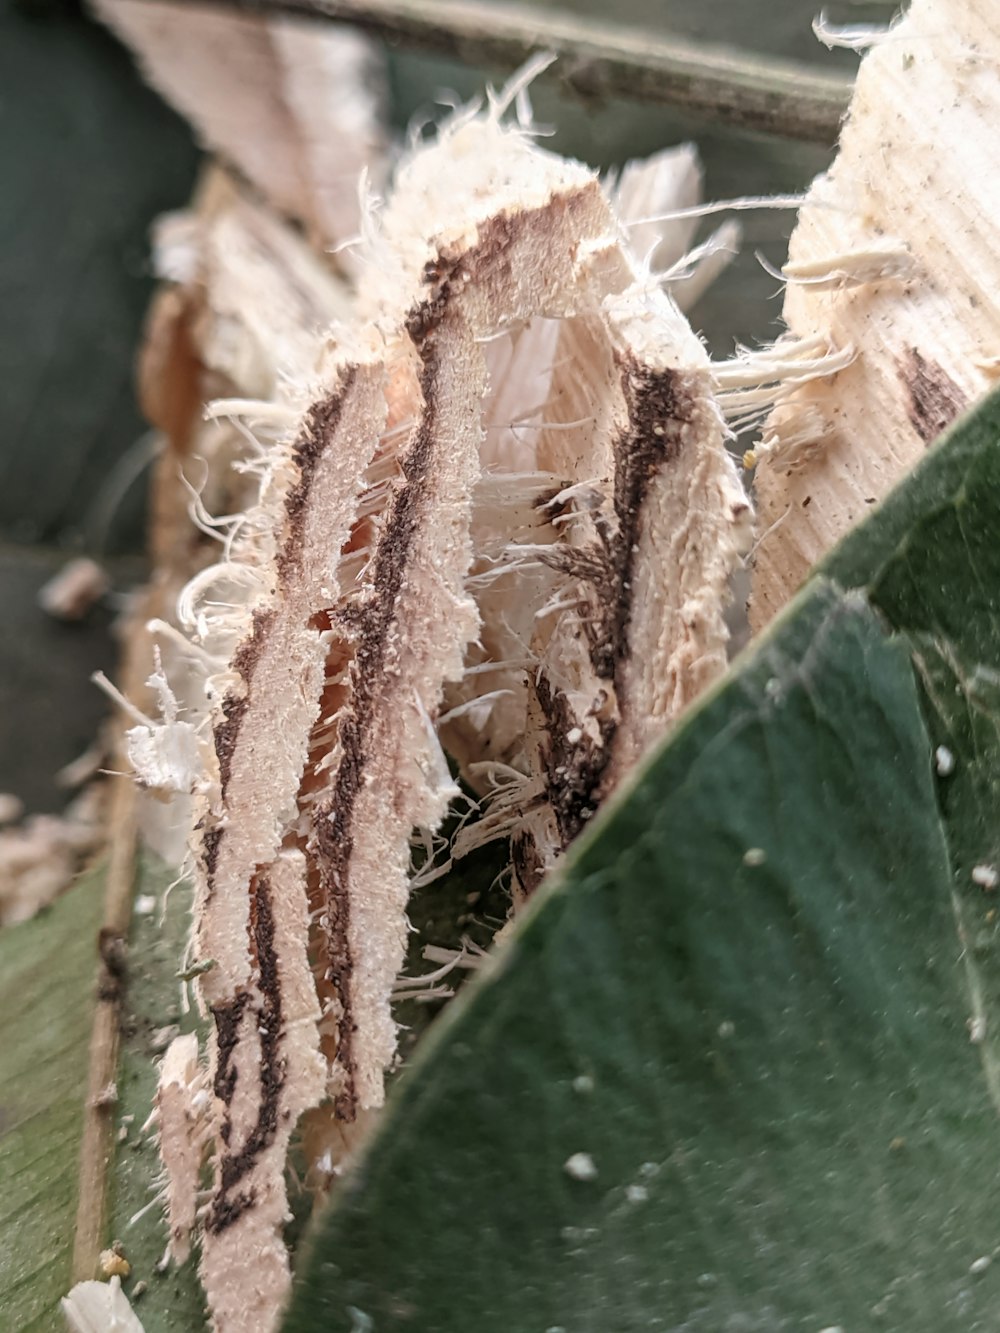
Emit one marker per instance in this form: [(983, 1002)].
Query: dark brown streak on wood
[(227, 1032), (236, 702), (228, 1207), (210, 840), (660, 404), (934, 400), (316, 435), (573, 769), (489, 262), (526, 862), (234, 707), (333, 839), (318, 430)]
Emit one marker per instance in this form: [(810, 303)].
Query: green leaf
[(758, 1000), (48, 970), (152, 1014), (91, 157), (47, 974), (933, 569)]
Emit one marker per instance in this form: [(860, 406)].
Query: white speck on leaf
[(583, 1084), (944, 761), (985, 876), (636, 1193), (581, 1166), (977, 1029), (754, 856), (980, 1265)]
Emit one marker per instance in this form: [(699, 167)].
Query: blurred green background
[(90, 157)]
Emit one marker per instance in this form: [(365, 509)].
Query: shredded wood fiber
[(894, 261), (475, 504), (495, 517)]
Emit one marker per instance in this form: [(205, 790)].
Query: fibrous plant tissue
[(477, 523)]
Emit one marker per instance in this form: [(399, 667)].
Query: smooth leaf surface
[(933, 570), (91, 157), (48, 971), (171, 1300), (47, 974), (758, 1000)]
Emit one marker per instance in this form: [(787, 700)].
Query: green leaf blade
[(768, 1064), (47, 974), (171, 1300)]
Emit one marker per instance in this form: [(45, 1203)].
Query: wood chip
[(894, 257)]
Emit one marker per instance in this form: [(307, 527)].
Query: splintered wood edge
[(899, 278)]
